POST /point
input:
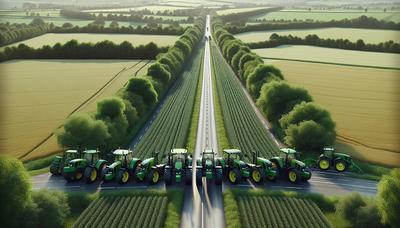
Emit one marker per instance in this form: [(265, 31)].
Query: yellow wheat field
[(364, 102), (37, 96)]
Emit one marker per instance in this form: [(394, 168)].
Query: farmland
[(153, 8), (27, 103), (352, 34), (327, 15), (330, 55), (171, 126), (238, 10), (363, 102), (264, 211), (243, 127), (135, 39)]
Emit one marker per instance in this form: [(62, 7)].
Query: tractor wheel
[(218, 176), (340, 165), (168, 176), (90, 174), (309, 171), (154, 176), (234, 176), (78, 175), (188, 176), (54, 170), (294, 175), (324, 163), (258, 176), (68, 178), (122, 176), (199, 176)]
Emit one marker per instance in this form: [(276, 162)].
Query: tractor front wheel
[(54, 170), (234, 176), (78, 175), (188, 176), (257, 176), (90, 174), (324, 163), (340, 165), (122, 176), (218, 176), (168, 176), (154, 176), (294, 175)]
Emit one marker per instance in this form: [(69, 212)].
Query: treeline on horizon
[(243, 16), (75, 50), (360, 22), (118, 118), (276, 40)]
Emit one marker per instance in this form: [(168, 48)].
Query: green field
[(330, 55), (135, 39), (243, 127), (364, 102), (327, 15), (40, 94), (352, 34), (171, 126), (153, 8), (264, 211), (125, 211), (238, 10)]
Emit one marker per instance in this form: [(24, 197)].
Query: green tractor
[(149, 170), (59, 162), (123, 167), (88, 167), (261, 169), (288, 163), (179, 165), (341, 162), (233, 166), (208, 168)]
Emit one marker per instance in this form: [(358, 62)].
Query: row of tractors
[(179, 166)]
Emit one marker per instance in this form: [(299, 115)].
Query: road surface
[(203, 206)]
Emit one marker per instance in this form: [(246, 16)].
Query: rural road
[(203, 205)]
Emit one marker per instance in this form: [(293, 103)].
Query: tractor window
[(87, 157), (208, 156), (178, 157), (69, 156), (95, 158), (129, 157), (120, 158)]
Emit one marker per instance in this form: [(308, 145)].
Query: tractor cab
[(234, 167), (232, 155), (179, 166), (179, 157), (91, 156), (289, 155), (288, 163), (59, 162), (207, 159), (123, 156)]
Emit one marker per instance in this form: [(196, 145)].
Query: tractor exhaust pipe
[(156, 157)]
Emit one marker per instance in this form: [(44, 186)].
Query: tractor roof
[(288, 151), (71, 151), (121, 152), (328, 149), (208, 151), (91, 151), (178, 151), (232, 151)]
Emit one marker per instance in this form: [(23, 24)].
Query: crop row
[(128, 211), (243, 127), (171, 126), (264, 211)]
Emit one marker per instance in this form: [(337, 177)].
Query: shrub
[(388, 198), (144, 88), (236, 58), (367, 216), (278, 98), (243, 60), (260, 75), (110, 107), (348, 206), (159, 72)]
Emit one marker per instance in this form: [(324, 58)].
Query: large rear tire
[(340, 165), (168, 175), (79, 175), (188, 176), (90, 175), (122, 176), (54, 170), (294, 175), (307, 170), (324, 163), (218, 176), (154, 176), (234, 176), (257, 175)]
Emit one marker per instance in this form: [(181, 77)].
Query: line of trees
[(75, 50), (118, 118), (277, 40), (11, 33), (134, 16), (302, 124), (360, 22)]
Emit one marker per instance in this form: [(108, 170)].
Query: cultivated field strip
[(171, 125), (124, 211), (243, 127), (264, 211)]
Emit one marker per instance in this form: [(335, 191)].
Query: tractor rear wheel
[(218, 176), (309, 171), (168, 176), (90, 174), (78, 175), (234, 176), (257, 175), (340, 165), (324, 163), (54, 170), (188, 176), (199, 176), (154, 176), (294, 175), (122, 176)]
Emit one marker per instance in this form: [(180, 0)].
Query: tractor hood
[(146, 162), (208, 164), (178, 165), (241, 164), (113, 165), (300, 163), (263, 161), (342, 155)]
